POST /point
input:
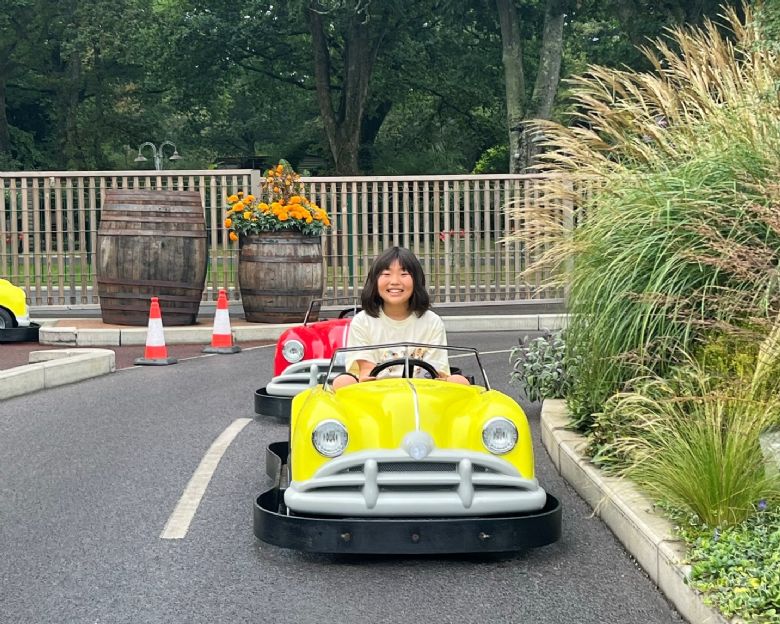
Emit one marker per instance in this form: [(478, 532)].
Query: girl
[(396, 308)]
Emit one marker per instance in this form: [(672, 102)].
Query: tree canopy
[(380, 86)]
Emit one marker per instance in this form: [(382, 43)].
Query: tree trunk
[(514, 78), (69, 97), (369, 130), (343, 124), (5, 133), (546, 85)]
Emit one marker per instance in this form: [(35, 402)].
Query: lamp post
[(157, 153)]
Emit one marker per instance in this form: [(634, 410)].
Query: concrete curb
[(48, 369), (648, 536), (50, 334)]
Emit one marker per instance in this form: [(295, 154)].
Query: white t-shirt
[(365, 330)]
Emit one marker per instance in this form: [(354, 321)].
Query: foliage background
[(84, 82)]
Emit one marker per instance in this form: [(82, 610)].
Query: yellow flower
[(248, 214), (228, 222), (250, 198), (232, 199), (262, 207), (240, 193), (233, 236)]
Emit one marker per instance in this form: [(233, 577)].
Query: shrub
[(694, 443), (493, 160), (738, 568), (542, 367)]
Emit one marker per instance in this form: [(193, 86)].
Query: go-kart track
[(129, 498)]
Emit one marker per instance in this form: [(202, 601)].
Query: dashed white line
[(179, 521)]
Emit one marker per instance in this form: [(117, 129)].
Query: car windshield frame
[(448, 348), (315, 306)]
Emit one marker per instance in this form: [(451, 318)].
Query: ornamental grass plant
[(693, 441), (279, 206), (672, 175)]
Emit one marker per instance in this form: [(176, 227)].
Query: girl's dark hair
[(419, 303)]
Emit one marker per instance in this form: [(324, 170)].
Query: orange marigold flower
[(247, 214), (276, 189), (228, 222), (232, 199), (295, 199), (233, 236), (250, 198), (238, 207), (283, 216), (279, 168), (262, 207)]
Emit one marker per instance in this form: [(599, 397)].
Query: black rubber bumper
[(489, 534), (20, 334), (269, 405)]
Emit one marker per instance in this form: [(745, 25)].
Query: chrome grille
[(416, 467)]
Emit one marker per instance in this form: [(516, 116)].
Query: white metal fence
[(455, 224)]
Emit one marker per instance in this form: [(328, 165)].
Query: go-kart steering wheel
[(349, 312), (413, 363)]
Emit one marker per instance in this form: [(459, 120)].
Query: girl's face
[(395, 285)]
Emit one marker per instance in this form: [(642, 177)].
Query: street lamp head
[(139, 158), (175, 155)]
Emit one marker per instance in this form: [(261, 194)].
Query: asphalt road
[(90, 473)]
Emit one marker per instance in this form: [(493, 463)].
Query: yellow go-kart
[(15, 325), (406, 465)]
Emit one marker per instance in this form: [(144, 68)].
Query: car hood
[(378, 414)]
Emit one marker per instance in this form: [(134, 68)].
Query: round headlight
[(330, 438), (293, 351), (499, 436)]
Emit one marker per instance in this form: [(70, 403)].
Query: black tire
[(7, 320)]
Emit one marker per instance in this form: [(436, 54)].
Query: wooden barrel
[(151, 244), (278, 274)]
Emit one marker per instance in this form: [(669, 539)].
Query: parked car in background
[(13, 306), (406, 465)]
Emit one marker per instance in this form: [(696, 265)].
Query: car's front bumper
[(275, 399), (388, 483), (275, 524), (24, 319)]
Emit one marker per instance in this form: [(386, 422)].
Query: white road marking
[(179, 521)]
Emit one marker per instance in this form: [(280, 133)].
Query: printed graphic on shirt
[(386, 355)]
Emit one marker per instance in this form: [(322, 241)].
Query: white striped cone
[(222, 336), (155, 353)]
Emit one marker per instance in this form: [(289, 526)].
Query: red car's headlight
[(292, 351)]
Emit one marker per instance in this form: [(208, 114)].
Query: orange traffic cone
[(222, 336), (156, 353)]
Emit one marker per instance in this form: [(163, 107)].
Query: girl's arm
[(364, 368)]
